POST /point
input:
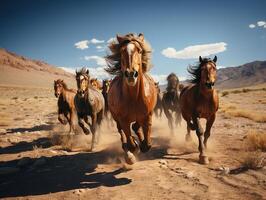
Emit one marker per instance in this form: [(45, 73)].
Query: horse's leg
[(137, 130), (207, 133), (128, 143), (61, 118), (178, 118), (170, 118), (100, 117), (93, 129), (188, 136), (161, 111), (81, 124), (146, 144), (203, 159)]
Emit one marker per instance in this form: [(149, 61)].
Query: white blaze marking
[(130, 49), (81, 77)]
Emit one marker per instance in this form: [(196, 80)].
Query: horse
[(132, 94), (95, 83), (170, 101), (89, 103), (159, 104), (65, 103), (105, 89), (200, 100)]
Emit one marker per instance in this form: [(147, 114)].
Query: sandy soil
[(32, 167)]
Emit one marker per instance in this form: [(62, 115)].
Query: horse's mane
[(114, 59), (82, 71), (60, 81), (195, 70)]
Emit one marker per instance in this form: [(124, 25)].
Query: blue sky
[(49, 30)]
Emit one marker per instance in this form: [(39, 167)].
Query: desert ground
[(38, 160)]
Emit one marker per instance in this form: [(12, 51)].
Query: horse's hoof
[(130, 158), (203, 160), (145, 148)]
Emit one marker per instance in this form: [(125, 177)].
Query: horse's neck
[(136, 92), (204, 93)]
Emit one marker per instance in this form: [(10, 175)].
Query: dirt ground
[(33, 167)]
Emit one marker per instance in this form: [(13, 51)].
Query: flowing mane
[(195, 70), (114, 59), (82, 71)]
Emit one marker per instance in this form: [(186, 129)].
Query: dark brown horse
[(171, 101), (89, 103), (159, 104), (66, 104), (105, 89), (200, 100), (132, 94)]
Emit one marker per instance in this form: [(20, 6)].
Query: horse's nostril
[(136, 74)]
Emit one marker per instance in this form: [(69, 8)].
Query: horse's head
[(131, 59), (172, 82), (157, 87), (58, 87), (106, 85), (208, 72), (82, 78), (95, 83)]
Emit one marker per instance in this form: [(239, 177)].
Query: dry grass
[(255, 141), (254, 160), (255, 116), (244, 90)]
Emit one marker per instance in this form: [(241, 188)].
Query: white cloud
[(82, 44), (195, 51), (252, 26), (99, 47), (264, 26), (95, 41), (99, 60), (261, 23)]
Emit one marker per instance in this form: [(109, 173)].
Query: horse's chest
[(206, 109)]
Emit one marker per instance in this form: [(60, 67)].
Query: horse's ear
[(76, 72), (215, 59), (87, 71), (119, 38), (141, 36), (200, 59)]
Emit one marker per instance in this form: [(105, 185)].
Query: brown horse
[(132, 94), (95, 83), (159, 104), (89, 103), (66, 104), (200, 100), (171, 101), (105, 89)]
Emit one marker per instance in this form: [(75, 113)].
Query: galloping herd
[(131, 97)]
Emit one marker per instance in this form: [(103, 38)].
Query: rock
[(41, 161), (23, 162), (163, 166), (224, 170), (163, 162), (8, 170)]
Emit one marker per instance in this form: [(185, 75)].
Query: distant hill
[(20, 71), (249, 74)]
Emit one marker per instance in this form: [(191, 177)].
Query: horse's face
[(131, 62), (106, 85), (58, 88), (82, 83), (208, 73), (94, 83), (173, 82)]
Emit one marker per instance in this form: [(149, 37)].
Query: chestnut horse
[(132, 94), (66, 104), (171, 101), (159, 104), (89, 103), (200, 100), (95, 83)]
